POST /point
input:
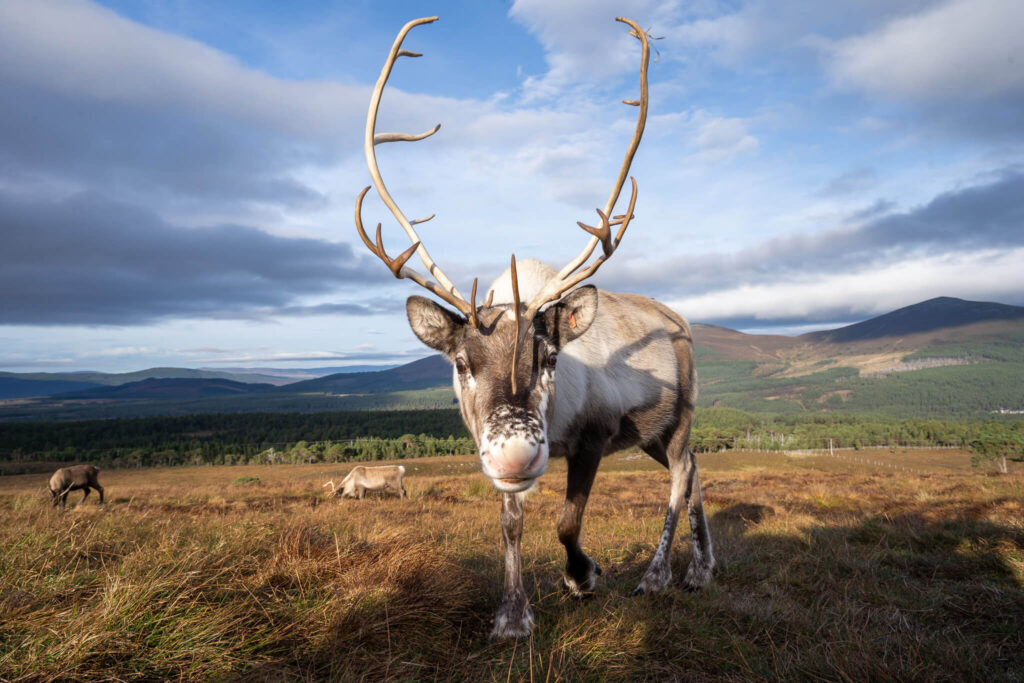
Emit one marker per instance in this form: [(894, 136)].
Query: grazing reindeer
[(73, 478), (362, 479), (575, 372)]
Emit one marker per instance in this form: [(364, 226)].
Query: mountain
[(927, 316), (940, 358), (426, 373), (172, 388)]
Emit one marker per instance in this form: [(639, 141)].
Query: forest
[(353, 436)]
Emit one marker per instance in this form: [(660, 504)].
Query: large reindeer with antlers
[(576, 372)]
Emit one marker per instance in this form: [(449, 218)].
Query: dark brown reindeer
[(549, 368), (74, 478)]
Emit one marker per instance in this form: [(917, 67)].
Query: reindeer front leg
[(514, 617), (580, 570)]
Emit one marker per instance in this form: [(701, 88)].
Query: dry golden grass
[(828, 568)]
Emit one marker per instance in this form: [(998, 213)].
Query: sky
[(178, 177)]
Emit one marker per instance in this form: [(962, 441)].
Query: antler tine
[(397, 265), (472, 306), (394, 265), (571, 275), (443, 288), (519, 323), (602, 233)]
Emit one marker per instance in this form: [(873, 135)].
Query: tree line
[(718, 429), (356, 436)]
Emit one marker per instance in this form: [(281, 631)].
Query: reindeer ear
[(435, 325), (572, 316)]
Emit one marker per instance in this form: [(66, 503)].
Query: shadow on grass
[(898, 597), (884, 598)]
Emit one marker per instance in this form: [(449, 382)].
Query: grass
[(828, 568)]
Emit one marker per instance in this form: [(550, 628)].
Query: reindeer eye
[(461, 366)]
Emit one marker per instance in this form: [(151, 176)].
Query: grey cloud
[(161, 153), (87, 260), (983, 216), (880, 207)]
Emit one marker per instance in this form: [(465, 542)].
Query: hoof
[(512, 621), (698, 577), (654, 581), (582, 587), (580, 590), (638, 591)]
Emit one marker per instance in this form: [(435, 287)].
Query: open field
[(836, 568)]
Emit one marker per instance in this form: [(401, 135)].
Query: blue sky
[(177, 178)]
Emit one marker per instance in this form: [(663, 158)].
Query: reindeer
[(547, 367), (362, 479), (74, 478)]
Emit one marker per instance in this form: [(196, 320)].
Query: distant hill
[(169, 389), (940, 358), (116, 378), (290, 375), (16, 387), (426, 373), (927, 316), (81, 380)]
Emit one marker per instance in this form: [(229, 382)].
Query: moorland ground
[(880, 565)]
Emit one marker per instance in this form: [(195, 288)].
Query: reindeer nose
[(514, 458)]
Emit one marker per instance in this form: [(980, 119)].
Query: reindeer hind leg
[(684, 487)]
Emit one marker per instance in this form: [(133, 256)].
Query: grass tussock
[(827, 569)]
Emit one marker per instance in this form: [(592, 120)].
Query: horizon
[(428, 353), (177, 177)]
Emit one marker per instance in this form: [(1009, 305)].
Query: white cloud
[(581, 42), (759, 29), (985, 275), (118, 351), (962, 50), (720, 138)]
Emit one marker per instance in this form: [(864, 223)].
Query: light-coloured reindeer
[(362, 479), (546, 367)]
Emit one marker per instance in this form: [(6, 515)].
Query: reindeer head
[(505, 355), (508, 413)]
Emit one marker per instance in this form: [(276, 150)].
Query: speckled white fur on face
[(513, 448)]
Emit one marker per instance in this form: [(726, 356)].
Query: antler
[(571, 275), (443, 288)]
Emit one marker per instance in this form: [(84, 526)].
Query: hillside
[(902, 364)]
